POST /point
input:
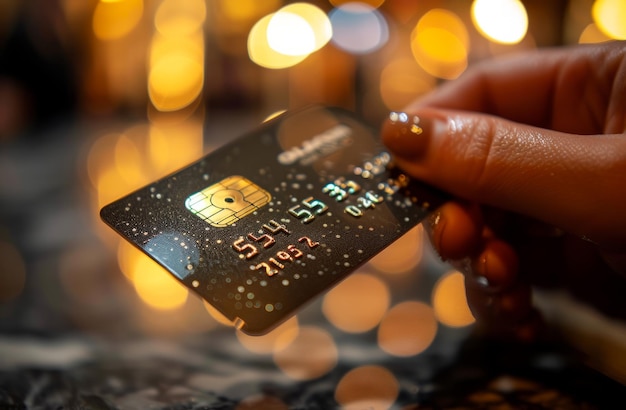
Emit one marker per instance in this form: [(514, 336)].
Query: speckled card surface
[(264, 224)]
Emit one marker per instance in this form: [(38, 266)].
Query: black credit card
[(266, 223)]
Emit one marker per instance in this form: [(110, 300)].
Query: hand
[(534, 148)]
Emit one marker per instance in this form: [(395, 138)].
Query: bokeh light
[(403, 255), (290, 34), (110, 186), (317, 21), (276, 340), (129, 161), (175, 18), (371, 3), (367, 387), (131, 164), (156, 287), (115, 19), (13, 276), (176, 64), (358, 28), (217, 315), (592, 34), (100, 156), (246, 10), (527, 44), (285, 38), (449, 301), (173, 146), (260, 51), (440, 44), (357, 304), (312, 354), (118, 163), (610, 17), (127, 256), (191, 46), (502, 21), (175, 81), (407, 329), (189, 318), (402, 81)]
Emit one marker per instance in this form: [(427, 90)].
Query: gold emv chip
[(225, 202)]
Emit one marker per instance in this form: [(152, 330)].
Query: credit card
[(266, 223)]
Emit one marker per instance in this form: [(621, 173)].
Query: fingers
[(551, 176), (455, 230), (496, 267), (578, 89), (496, 294)]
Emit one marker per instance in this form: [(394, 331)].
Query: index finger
[(565, 89)]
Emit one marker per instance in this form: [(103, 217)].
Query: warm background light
[(171, 146), (440, 43), (148, 84), (244, 10), (401, 81), (371, 3), (357, 304), (115, 19), (129, 161), (127, 255), (216, 315), (156, 287), (610, 17), (290, 34), (118, 163), (358, 28), (449, 301), (175, 81), (403, 255), (176, 71), (110, 186), (260, 51), (367, 387), (312, 354), (592, 34), (502, 21), (316, 20), (176, 18), (276, 340), (407, 329)]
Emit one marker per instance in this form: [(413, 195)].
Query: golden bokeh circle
[(407, 329)]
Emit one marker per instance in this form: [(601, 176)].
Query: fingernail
[(496, 267), (407, 135), (436, 226)]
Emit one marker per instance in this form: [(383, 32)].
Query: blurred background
[(100, 97)]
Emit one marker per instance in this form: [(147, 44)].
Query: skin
[(533, 149)]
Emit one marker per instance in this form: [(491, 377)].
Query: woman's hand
[(534, 148)]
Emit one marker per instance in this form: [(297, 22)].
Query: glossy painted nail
[(436, 225), (496, 267), (405, 134)]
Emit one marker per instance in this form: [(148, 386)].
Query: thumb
[(575, 182)]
